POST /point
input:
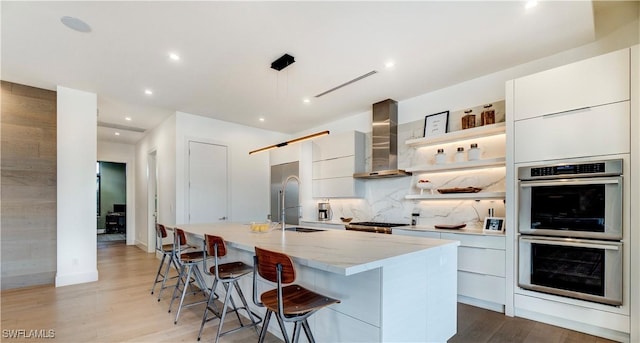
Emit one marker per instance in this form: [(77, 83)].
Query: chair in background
[(188, 263), (228, 274), (291, 303)]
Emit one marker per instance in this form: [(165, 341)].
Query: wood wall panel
[(29, 187)]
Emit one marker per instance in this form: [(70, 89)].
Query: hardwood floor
[(119, 308)]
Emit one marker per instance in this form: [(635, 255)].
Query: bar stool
[(228, 274), (292, 303), (188, 263), (167, 251)]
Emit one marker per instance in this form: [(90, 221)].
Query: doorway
[(111, 187)]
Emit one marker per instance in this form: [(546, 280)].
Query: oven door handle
[(570, 182), (580, 243)]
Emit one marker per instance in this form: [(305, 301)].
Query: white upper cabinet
[(286, 154), (596, 81), (335, 159)]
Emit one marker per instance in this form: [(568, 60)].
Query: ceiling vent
[(283, 62), (364, 76)]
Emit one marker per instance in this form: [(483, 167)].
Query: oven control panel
[(560, 170)]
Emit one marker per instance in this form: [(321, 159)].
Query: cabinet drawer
[(481, 260), (416, 233), (340, 187), (596, 81), (478, 241), (484, 287), (337, 167), (594, 131)]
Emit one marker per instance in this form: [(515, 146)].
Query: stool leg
[(175, 289), (166, 276), (283, 329), (184, 291), (296, 332), (246, 306), (265, 326), (155, 282), (307, 331), (211, 301), (225, 305)]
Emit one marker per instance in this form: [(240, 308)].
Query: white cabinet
[(335, 159), (592, 82), (481, 266), (587, 132)]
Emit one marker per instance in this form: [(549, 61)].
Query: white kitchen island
[(393, 288)]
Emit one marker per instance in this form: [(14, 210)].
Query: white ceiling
[(226, 49)]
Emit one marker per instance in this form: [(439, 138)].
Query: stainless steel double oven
[(570, 225)]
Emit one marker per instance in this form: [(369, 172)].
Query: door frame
[(187, 170), (130, 178), (152, 195)]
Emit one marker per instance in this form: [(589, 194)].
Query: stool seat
[(167, 247), (296, 300), (232, 270), (192, 256)]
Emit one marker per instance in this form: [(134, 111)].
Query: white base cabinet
[(481, 266)]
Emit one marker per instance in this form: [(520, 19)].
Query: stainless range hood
[(385, 142)]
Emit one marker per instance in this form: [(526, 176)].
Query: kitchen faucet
[(284, 187)]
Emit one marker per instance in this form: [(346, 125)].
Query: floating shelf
[(476, 132), (479, 164), (457, 196)]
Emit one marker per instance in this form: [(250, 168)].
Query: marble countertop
[(336, 251)]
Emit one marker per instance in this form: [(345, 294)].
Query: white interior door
[(208, 184)]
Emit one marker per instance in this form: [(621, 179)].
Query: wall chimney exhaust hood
[(384, 150)]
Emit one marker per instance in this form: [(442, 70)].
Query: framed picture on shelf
[(493, 224), (436, 124)]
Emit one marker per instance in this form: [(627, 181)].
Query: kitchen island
[(393, 288)]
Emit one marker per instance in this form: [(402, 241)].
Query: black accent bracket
[(282, 62)]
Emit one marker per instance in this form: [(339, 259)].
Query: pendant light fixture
[(297, 140)]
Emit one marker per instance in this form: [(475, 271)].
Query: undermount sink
[(302, 229)]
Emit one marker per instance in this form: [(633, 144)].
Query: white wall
[(248, 174), (76, 222), (161, 139), (123, 153)]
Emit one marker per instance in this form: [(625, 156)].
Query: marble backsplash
[(385, 198)]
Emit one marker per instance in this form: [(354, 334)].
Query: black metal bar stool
[(168, 255), (188, 263), (228, 274), (291, 303)]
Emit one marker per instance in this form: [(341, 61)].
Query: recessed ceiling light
[(174, 56), (75, 24), (389, 64), (117, 133), (127, 118), (306, 100), (531, 4), (148, 92), (261, 119)]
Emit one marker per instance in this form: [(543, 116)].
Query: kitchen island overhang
[(392, 288)]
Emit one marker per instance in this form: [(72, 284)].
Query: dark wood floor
[(479, 325), (118, 308)]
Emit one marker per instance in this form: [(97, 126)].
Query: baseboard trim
[(76, 278), (20, 281)]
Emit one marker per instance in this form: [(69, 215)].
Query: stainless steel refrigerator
[(279, 174)]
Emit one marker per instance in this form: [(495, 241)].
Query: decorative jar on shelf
[(460, 157), (488, 115), (441, 157), (474, 152), (468, 120)]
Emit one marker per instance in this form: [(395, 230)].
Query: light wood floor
[(119, 308)]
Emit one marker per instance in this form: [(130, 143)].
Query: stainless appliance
[(279, 174), (570, 225), (324, 211), (374, 227), (572, 200), (583, 269), (384, 149)]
